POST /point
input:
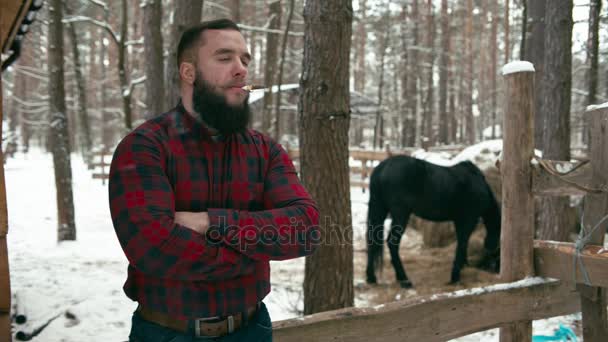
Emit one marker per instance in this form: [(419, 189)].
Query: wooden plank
[(101, 176), (11, 16), (555, 260), (360, 154), (101, 153), (593, 299), (546, 184), (517, 221), (437, 317)]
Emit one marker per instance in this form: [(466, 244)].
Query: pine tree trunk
[(469, 125), (324, 121), (272, 51), (481, 77), (85, 140), (414, 136), (125, 91), (66, 228), (360, 50), (277, 106), (555, 111), (154, 66), (443, 73), (595, 9), (235, 10), (507, 27), (429, 112), (379, 126), (535, 54), (186, 14), (403, 73), (494, 66), (107, 134)]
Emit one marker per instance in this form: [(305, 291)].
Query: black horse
[(403, 185)]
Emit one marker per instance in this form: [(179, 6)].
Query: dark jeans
[(258, 329)]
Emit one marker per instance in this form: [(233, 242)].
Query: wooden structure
[(101, 164), (13, 15), (523, 298)]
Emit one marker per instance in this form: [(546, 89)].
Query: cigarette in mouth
[(252, 87)]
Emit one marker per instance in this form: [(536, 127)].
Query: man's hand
[(199, 222)]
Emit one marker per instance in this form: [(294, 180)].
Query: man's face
[(216, 111), (223, 61)]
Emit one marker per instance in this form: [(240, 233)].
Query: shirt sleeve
[(142, 205), (286, 228)]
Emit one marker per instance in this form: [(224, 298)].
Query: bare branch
[(102, 24), (265, 30), (139, 41), (100, 4), (140, 80)]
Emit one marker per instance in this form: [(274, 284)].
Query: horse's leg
[(399, 223), (376, 215), (464, 229)]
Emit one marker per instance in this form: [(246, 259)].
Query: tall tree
[(593, 42), (185, 14), (412, 97), (507, 27), (554, 112), (235, 9), (469, 123), (428, 106), (384, 41), (277, 105), (324, 114), (122, 68), (86, 140), (534, 52), (153, 49), (66, 227), (272, 51), (494, 65), (443, 73), (361, 41), (406, 122)]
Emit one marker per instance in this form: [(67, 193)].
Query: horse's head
[(490, 261)]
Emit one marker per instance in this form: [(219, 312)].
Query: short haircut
[(192, 37)]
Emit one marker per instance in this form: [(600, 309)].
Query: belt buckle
[(197, 327)]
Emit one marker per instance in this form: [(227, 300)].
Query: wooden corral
[(437, 317), (511, 306)]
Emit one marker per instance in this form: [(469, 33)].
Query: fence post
[(517, 237), (593, 299)]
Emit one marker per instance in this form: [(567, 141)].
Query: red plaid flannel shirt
[(257, 207)]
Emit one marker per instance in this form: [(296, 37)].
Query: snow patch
[(598, 106), (517, 66)]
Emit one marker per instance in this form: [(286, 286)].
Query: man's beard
[(215, 110)]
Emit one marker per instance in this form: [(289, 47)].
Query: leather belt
[(203, 327)]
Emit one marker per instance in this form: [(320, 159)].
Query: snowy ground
[(84, 278)]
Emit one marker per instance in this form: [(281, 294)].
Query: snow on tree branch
[(265, 30), (100, 4), (102, 24), (129, 90)]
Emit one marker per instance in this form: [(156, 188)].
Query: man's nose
[(239, 69)]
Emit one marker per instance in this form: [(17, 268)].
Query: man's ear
[(187, 72)]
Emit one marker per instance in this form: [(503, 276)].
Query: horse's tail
[(376, 214), (491, 219)]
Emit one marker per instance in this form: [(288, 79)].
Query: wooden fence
[(523, 298)]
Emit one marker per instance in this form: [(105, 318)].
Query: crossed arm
[(221, 243)]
